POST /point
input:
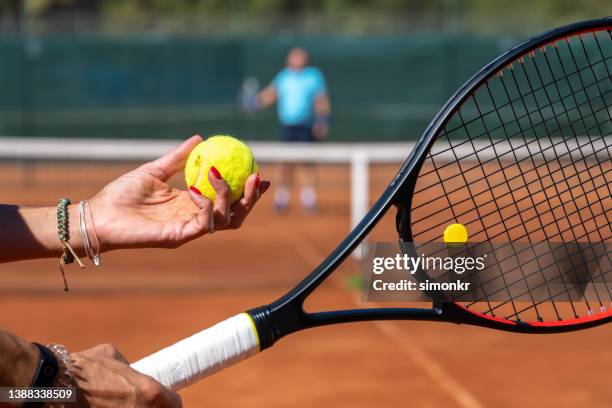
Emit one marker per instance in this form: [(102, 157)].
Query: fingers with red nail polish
[(227, 215), (223, 198), (203, 222), (253, 189), (215, 172)]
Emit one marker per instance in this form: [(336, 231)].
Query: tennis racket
[(247, 99), (520, 153)]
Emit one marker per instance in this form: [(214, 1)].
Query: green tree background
[(310, 16)]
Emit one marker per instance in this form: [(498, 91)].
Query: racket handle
[(202, 354)]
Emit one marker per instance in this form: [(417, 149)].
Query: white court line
[(461, 395)]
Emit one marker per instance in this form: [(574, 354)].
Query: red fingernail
[(257, 181), (195, 190), (215, 172)]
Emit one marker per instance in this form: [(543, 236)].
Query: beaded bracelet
[(68, 254), (64, 374), (64, 378)]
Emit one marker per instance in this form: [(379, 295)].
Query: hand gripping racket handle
[(202, 354)]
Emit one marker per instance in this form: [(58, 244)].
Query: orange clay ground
[(143, 300)]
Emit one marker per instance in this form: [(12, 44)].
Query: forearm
[(266, 97), (19, 360), (322, 106), (31, 232)]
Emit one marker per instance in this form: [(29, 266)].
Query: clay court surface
[(143, 300)]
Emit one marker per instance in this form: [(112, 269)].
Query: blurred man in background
[(303, 111)]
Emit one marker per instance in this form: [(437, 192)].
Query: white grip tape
[(202, 354)]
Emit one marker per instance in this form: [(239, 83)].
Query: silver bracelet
[(64, 373), (91, 254), (64, 378)]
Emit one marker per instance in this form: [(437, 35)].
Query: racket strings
[(502, 196), (566, 292), (505, 282), (483, 177), (582, 83), (503, 277), (520, 174), (532, 92), (521, 252), (591, 66), (454, 148), (526, 158), (539, 266), (455, 216), (559, 205), (515, 82), (596, 293), (479, 149)]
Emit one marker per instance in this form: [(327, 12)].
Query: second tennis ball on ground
[(231, 157)]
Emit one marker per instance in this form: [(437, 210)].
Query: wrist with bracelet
[(53, 370), (64, 373), (68, 255), (86, 227)]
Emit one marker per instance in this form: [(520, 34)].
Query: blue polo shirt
[(296, 92)]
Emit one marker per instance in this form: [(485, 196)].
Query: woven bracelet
[(68, 254)]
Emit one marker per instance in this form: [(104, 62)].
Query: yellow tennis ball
[(455, 234), (231, 157)]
